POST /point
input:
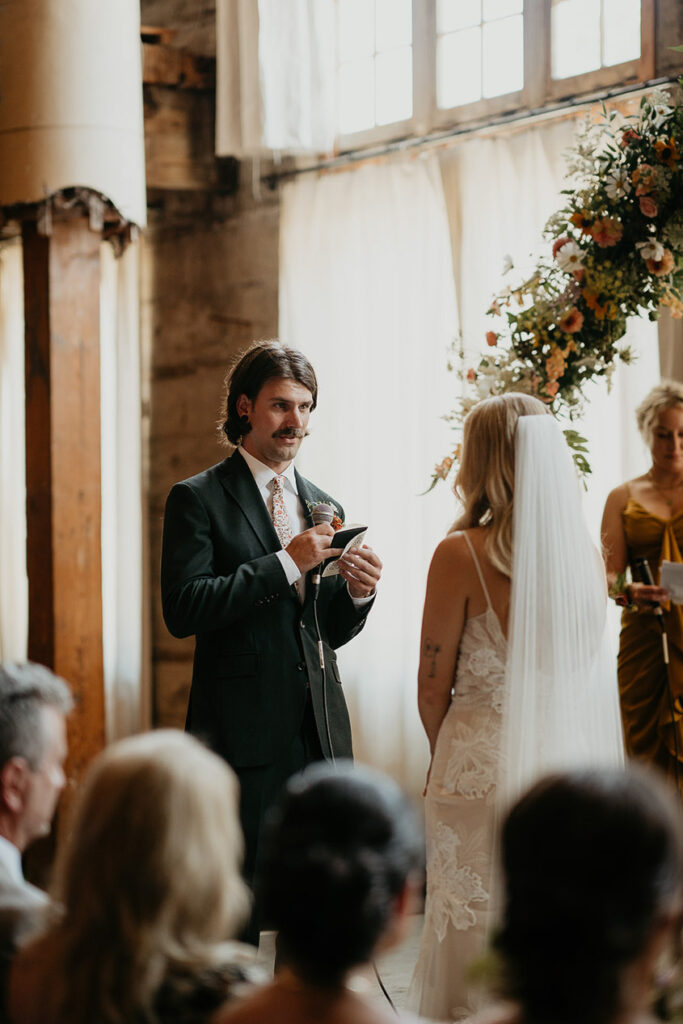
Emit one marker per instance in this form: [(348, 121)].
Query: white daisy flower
[(618, 183), (651, 250), (570, 257)]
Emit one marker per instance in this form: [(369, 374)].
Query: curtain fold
[(276, 77), (122, 570), (13, 578), (366, 291)]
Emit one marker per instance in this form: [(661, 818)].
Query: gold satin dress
[(653, 730)]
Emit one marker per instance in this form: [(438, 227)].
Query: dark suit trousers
[(260, 788)]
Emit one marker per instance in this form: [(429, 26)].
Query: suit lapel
[(237, 480)]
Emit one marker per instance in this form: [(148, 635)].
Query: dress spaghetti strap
[(478, 568)]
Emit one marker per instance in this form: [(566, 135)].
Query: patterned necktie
[(279, 513)]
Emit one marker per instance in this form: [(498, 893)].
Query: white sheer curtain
[(499, 191), (13, 579), (276, 76), (366, 291), (123, 620)]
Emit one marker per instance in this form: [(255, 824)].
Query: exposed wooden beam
[(63, 485)]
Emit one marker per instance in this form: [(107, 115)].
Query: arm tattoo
[(430, 651)]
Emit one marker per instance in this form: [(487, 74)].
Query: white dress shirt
[(263, 476), (10, 859)]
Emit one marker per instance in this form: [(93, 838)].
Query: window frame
[(539, 89)]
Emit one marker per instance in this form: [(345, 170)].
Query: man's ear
[(243, 405), (13, 783)]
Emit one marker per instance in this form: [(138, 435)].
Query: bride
[(516, 675)]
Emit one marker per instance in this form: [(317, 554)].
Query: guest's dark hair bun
[(340, 848), (591, 860)]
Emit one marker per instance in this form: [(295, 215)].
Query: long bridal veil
[(562, 703)]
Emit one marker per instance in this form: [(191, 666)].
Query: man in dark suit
[(238, 549)]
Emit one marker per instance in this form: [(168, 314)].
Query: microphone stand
[(643, 567)]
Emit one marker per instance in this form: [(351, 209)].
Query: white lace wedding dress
[(460, 821), (545, 699)]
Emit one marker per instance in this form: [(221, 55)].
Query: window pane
[(503, 56), (394, 23), (494, 9), (454, 14), (356, 29), (356, 96), (575, 37), (394, 83), (458, 68), (621, 23)]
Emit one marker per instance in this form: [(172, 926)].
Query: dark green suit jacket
[(256, 647)]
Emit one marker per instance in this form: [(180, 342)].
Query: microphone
[(643, 567), (322, 513), (645, 572)]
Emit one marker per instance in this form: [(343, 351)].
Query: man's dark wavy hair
[(262, 361)]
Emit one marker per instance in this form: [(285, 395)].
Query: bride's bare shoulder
[(453, 557)]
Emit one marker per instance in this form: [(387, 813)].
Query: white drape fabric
[(561, 697), (123, 618), (362, 292), (367, 293), (13, 579), (276, 76)]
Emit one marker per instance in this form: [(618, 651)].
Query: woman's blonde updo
[(667, 395), (486, 477)]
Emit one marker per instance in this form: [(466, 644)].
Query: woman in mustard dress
[(644, 519)]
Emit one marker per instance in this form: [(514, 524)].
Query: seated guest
[(150, 884), (593, 870), (33, 706), (342, 862)]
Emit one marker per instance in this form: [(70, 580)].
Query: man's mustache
[(290, 432)]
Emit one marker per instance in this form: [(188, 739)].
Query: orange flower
[(571, 322), (491, 338), (579, 275), (644, 179), (471, 374), (667, 152), (590, 298), (628, 137), (660, 268), (607, 232), (583, 221), (555, 363), (443, 468), (552, 387), (648, 206)]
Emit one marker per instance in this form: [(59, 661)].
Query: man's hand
[(312, 547), (362, 569)]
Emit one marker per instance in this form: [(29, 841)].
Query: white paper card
[(671, 578)]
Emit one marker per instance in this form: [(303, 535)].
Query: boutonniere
[(337, 521)]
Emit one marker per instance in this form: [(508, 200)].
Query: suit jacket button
[(301, 666), (303, 625)]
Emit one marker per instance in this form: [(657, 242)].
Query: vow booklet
[(671, 578), (347, 538)]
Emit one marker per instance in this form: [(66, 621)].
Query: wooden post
[(63, 507)]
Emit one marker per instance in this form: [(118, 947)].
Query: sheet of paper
[(671, 579), (333, 568)]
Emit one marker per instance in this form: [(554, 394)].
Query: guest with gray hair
[(34, 703)]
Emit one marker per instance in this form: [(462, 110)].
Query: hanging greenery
[(615, 251)]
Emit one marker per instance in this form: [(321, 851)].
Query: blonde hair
[(486, 476), (666, 395), (149, 876)]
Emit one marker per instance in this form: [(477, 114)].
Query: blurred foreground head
[(593, 864), (343, 848)]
